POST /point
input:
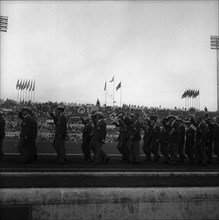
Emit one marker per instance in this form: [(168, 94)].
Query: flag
[(20, 85), (17, 85), (195, 93), (30, 86), (183, 95), (98, 103), (33, 86), (118, 86), (189, 93), (105, 87), (112, 79), (23, 85), (192, 93)]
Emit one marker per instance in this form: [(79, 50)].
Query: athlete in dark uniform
[(2, 133), (26, 134), (190, 141), (60, 122), (98, 138), (147, 139), (155, 138), (134, 139), (216, 138), (86, 138)]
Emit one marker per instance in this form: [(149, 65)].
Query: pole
[(26, 95), (199, 100), (121, 96), (17, 95), (218, 60), (34, 91), (105, 96), (31, 95), (218, 79), (113, 89), (23, 95), (0, 69)]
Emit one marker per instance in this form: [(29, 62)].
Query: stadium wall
[(114, 203)]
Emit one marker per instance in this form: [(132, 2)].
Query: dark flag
[(17, 85), (190, 93), (112, 79), (183, 95), (23, 85), (105, 87), (98, 103), (118, 86), (28, 84), (186, 93), (33, 86)]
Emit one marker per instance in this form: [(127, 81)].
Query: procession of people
[(175, 139)]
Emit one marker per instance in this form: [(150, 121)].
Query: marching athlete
[(60, 122)]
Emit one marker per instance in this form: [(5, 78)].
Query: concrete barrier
[(115, 203)]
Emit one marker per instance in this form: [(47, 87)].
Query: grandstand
[(46, 127)]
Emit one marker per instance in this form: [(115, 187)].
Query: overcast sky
[(158, 49)]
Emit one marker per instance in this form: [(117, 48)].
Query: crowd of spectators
[(75, 126)]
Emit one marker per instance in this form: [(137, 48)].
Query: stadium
[(109, 110)]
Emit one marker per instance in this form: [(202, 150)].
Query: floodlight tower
[(215, 46), (3, 28)]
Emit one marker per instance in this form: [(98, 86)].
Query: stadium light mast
[(3, 28), (215, 46)]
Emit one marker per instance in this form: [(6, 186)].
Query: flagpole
[(113, 89), (121, 96), (19, 96), (34, 91), (105, 92), (105, 97), (25, 95), (199, 100)]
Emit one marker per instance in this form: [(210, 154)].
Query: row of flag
[(190, 93), (25, 84), (112, 80)]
